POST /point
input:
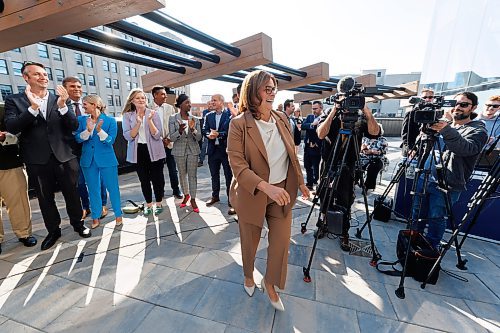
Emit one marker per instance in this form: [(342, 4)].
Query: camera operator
[(463, 139), (410, 128), (328, 130)]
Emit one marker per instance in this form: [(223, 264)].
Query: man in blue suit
[(215, 130), (312, 145)]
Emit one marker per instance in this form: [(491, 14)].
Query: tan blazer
[(248, 159)]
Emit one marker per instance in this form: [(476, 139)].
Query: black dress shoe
[(28, 241), (50, 240), (84, 232), (178, 194), (212, 201)]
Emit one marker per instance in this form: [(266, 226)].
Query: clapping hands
[(63, 96)]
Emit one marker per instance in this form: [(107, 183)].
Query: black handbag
[(421, 258), (382, 209)]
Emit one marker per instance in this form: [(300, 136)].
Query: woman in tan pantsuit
[(266, 177)]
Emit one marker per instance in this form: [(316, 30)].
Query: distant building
[(110, 79)]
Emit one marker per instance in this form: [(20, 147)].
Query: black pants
[(312, 159), (344, 196), (149, 173), (216, 158), (172, 171), (47, 178), (372, 168)]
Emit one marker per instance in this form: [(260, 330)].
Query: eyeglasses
[(463, 104), (493, 106), (427, 97), (271, 90)]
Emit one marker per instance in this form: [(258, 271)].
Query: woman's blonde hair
[(131, 96), (97, 101), (249, 96)]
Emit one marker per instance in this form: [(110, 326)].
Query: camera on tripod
[(430, 112), (349, 100)]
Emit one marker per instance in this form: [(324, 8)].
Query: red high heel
[(195, 206), (184, 201)]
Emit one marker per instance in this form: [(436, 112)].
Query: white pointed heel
[(249, 290), (278, 305)]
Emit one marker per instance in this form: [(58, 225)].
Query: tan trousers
[(279, 241), (14, 192)]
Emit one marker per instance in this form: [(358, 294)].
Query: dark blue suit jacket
[(311, 135), (222, 129)]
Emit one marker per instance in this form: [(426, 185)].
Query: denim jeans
[(435, 201)]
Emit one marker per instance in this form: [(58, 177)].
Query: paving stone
[(35, 303), (219, 265), (3, 319), (434, 311), (102, 315), (220, 240), (369, 323), (172, 254), (331, 261), (166, 320), (302, 315), (171, 288), (226, 302), (12, 326), (354, 293), (491, 281), (232, 329), (487, 314)]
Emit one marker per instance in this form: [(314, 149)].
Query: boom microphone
[(346, 84)]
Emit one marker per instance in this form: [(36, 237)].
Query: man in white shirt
[(166, 110)]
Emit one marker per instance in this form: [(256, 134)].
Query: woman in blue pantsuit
[(97, 131)]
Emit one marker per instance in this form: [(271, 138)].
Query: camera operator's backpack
[(421, 258)]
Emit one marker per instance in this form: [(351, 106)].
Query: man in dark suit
[(294, 125), (45, 122), (312, 145), (215, 130)]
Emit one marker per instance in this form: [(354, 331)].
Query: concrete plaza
[(181, 272)]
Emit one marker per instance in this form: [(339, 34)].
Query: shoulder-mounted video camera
[(430, 112), (349, 100)]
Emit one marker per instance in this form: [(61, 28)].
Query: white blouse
[(142, 132), (277, 155)]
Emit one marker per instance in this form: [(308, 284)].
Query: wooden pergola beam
[(26, 22), (256, 50), (315, 73)]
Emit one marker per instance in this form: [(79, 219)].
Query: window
[(133, 72), (3, 67), (18, 50), (79, 59), (91, 80), (118, 100), (108, 82), (42, 51), (129, 85), (56, 53), (16, 66), (59, 75), (89, 61), (49, 73), (81, 76), (116, 85), (127, 70), (5, 90), (144, 72), (110, 100), (114, 68), (379, 74), (135, 85), (21, 89), (105, 65)]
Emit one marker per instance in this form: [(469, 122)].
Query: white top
[(142, 132), (164, 111), (277, 155), (42, 107)]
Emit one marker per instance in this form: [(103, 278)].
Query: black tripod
[(426, 151), (328, 187), (476, 203)]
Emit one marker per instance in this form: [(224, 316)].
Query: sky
[(350, 36)]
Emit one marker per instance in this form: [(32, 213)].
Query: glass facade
[(462, 54)]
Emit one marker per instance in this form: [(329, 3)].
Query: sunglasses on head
[(494, 106), (464, 104)]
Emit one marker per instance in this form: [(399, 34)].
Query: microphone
[(346, 84)]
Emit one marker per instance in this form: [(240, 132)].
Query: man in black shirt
[(328, 130), (411, 129)]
